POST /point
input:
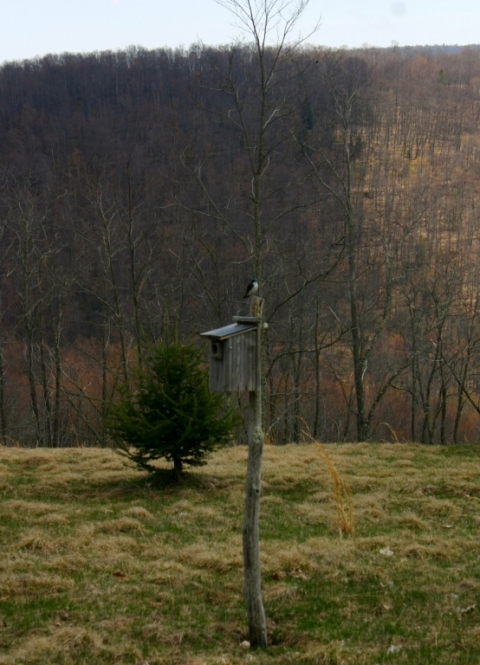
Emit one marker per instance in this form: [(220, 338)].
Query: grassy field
[(99, 566)]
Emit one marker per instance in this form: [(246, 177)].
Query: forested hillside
[(140, 191)]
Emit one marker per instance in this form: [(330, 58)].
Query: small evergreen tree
[(169, 411)]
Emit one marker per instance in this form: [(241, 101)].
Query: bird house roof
[(229, 331)]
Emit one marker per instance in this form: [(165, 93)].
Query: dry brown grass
[(99, 566), (341, 494)]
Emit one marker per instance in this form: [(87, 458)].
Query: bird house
[(233, 356)]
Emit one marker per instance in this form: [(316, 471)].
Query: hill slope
[(99, 566)]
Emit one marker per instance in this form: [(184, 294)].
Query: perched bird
[(252, 288)]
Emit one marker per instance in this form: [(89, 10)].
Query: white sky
[(30, 28)]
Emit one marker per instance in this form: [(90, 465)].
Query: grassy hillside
[(98, 566)]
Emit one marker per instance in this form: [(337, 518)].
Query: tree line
[(141, 190)]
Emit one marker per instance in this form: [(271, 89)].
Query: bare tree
[(252, 77)]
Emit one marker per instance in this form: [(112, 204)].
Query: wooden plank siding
[(234, 370)]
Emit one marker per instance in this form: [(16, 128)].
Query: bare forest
[(140, 191)]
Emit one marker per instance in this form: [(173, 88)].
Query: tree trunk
[(177, 466), (251, 534), (257, 627)]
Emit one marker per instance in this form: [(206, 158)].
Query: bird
[(252, 288)]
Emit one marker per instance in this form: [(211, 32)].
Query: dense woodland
[(141, 190)]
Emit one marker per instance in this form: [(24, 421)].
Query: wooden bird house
[(233, 356), (236, 366)]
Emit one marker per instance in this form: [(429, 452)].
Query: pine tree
[(169, 411)]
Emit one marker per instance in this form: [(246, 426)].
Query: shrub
[(169, 411)]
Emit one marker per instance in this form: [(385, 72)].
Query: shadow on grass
[(163, 482)]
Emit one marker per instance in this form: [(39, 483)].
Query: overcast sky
[(30, 28)]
